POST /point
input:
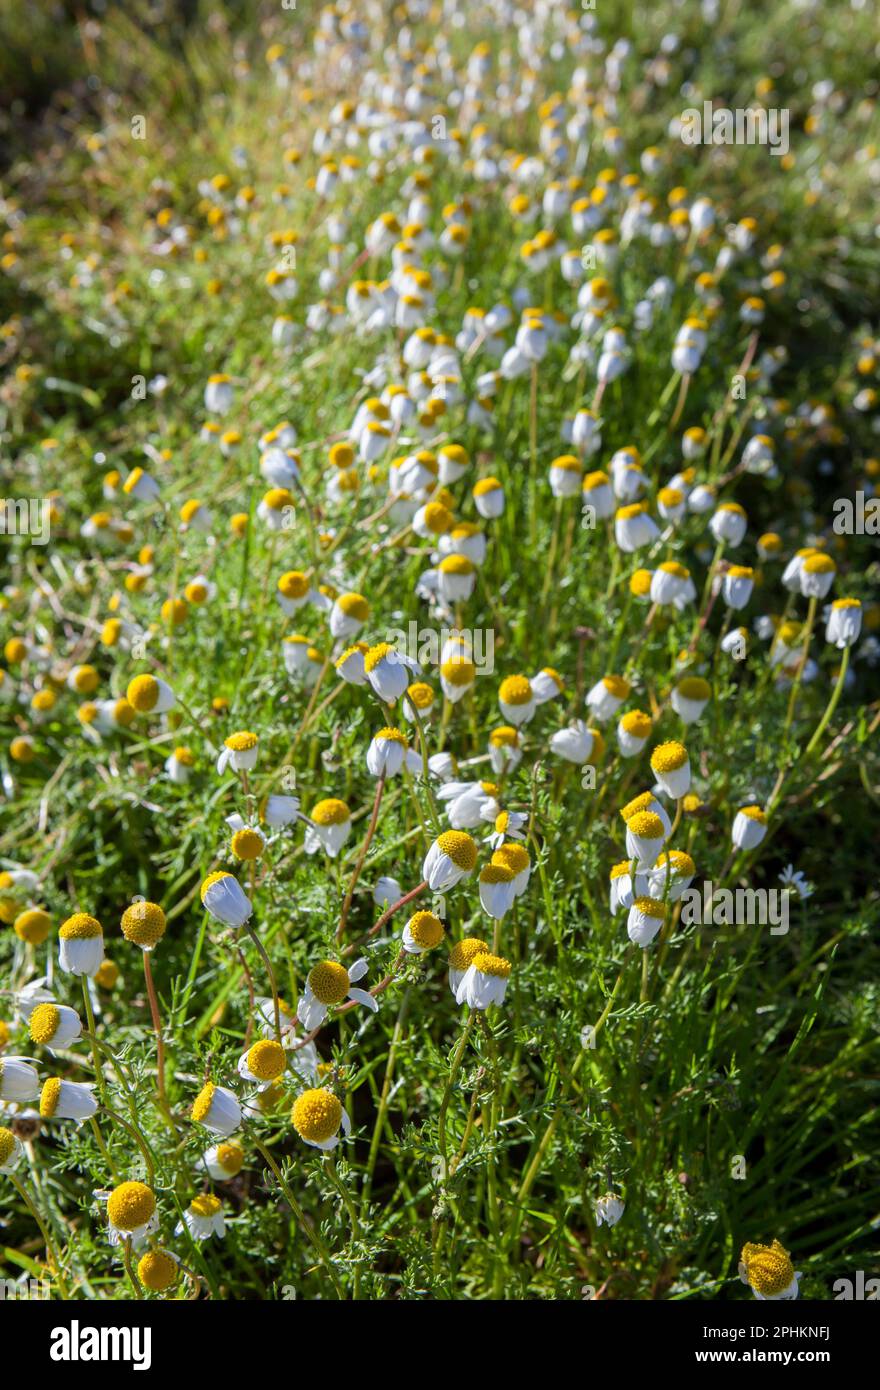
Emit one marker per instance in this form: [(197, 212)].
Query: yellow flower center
[(330, 812), (515, 690), (354, 606), (50, 1096), (668, 757), (458, 671), (44, 1023), (420, 695), (157, 1270), (293, 584), (426, 930), (636, 723), (646, 825), (512, 856), (459, 847), (266, 1060), (241, 742), (231, 1156), (754, 813), (650, 907), (464, 952), (143, 693), (7, 1144), (768, 1268), (143, 924), (456, 564), (504, 737), (316, 1115), (247, 844), (32, 926), (80, 927), (376, 654), (617, 686), (206, 1204), (496, 873), (130, 1205), (329, 982), (203, 1101), (487, 964), (694, 688)]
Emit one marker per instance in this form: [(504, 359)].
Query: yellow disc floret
[(329, 982), (44, 1023), (50, 1096), (459, 847), (143, 924), (157, 1270), (143, 693), (515, 690), (266, 1060), (487, 964), (768, 1268), (316, 1115), (32, 926), (426, 930), (80, 927), (330, 812), (668, 757), (464, 952), (131, 1205)]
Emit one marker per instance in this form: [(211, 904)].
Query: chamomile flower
[(240, 752), (423, 932), (749, 827), (504, 750), (633, 731), (328, 984), (506, 825), (80, 944), (634, 527), (844, 622), (224, 898), (484, 982), (646, 917), (671, 876), (645, 836), (516, 700), (292, 591), (263, 1063), (689, 698), (143, 924), (179, 765), (132, 1214), (737, 586), (671, 584), (467, 802), (217, 1109), (149, 695), (317, 1116), (54, 1025), (11, 1151), (223, 1162), (497, 885), (671, 766), (451, 858), (546, 685), (19, 1081), (607, 695), (388, 671), (386, 753), (728, 523), (769, 1272), (67, 1100), (577, 743), (203, 1218), (328, 827), (609, 1209)]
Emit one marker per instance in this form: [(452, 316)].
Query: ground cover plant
[(439, 638)]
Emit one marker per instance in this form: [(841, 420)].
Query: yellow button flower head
[(265, 1061), (157, 1270), (32, 926), (423, 932), (452, 857), (143, 924), (768, 1270), (131, 1206), (329, 982), (316, 1116), (247, 844), (671, 766)]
